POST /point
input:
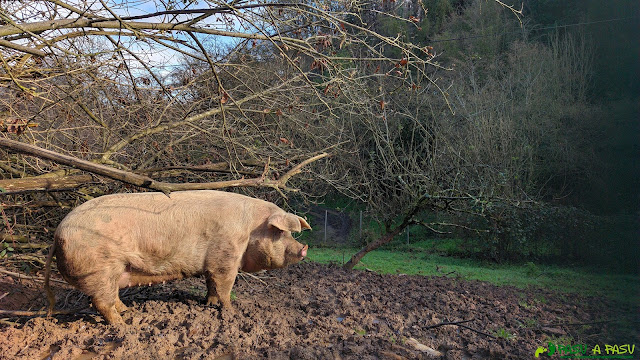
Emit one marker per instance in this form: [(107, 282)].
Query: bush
[(555, 233)]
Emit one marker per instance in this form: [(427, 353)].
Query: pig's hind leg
[(120, 306), (108, 310), (103, 291)]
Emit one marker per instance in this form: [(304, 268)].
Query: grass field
[(424, 259)]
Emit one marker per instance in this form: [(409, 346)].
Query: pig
[(121, 240)]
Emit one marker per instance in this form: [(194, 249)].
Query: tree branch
[(15, 186), (147, 182)]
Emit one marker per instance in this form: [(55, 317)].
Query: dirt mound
[(313, 311)]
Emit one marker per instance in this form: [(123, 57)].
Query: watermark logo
[(582, 351)]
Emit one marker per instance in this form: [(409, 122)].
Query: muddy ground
[(312, 311)]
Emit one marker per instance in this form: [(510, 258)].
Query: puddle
[(47, 355)]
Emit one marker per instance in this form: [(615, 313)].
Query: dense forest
[(513, 125)]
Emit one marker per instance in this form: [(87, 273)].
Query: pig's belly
[(153, 267), (128, 279)]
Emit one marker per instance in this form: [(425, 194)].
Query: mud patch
[(313, 311)]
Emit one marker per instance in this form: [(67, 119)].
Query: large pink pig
[(121, 240)]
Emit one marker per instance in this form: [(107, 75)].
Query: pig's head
[(272, 246)]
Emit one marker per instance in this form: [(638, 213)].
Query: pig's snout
[(303, 252)]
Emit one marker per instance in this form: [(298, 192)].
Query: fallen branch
[(29, 246), (23, 276), (147, 182), (38, 204), (448, 323), (39, 312), (23, 257), (7, 322), (478, 331), (423, 348), (13, 238), (15, 186)]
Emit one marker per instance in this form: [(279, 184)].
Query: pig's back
[(165, 234), (136, 220)]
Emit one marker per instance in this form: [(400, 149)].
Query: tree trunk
[(384, 239)]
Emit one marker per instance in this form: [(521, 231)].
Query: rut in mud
[(312, 311)]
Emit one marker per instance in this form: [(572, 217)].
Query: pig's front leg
[(219, 284), (212, 294)]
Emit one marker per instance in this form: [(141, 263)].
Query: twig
[(461, 324), (30, 246), (448, 323), (242, 273), (23, 276), (28, 258), (40, 312), (7, 322), (478, 331)]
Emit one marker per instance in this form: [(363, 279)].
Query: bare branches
[(147, 182), (156, 99), (21, 48), (132, 28)]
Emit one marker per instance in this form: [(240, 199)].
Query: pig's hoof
[(212, 301), (120, 307), (115, 321)]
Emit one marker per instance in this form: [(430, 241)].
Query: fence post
[(325, 226), (360, 226), (407, 231)]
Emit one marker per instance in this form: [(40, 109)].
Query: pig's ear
[(288, 222), (304, 224)]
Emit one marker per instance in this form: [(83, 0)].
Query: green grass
[(503, 334), (414, 260)]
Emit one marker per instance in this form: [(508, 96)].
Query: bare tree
[(244, 82), (180, 94), (506, 136)]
